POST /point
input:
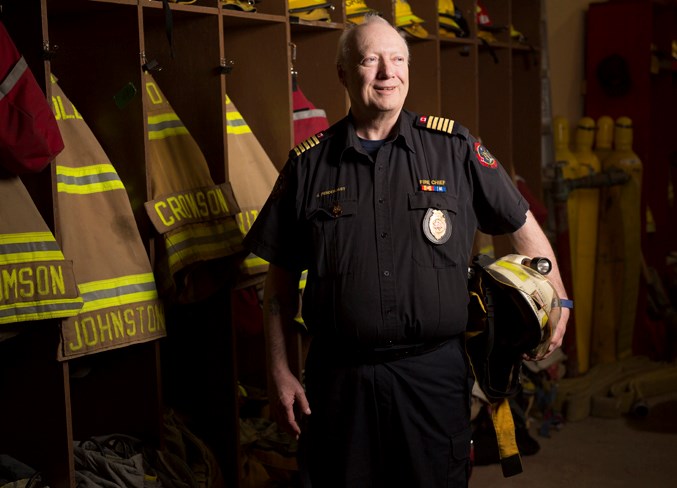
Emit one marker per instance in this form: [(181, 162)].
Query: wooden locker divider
[(316, 66)]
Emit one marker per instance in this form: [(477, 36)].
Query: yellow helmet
[(356, 10), (416, 30), (404, 15), (406, 20), (452, 23), (446, 7), (244, 5), (486, 36), (449, 27), (517, 35), (310, 10)]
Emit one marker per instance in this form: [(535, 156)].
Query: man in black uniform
[(382, 209)]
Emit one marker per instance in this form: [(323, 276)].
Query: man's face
[(376, 74)]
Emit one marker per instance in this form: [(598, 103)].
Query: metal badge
[(437, 226)]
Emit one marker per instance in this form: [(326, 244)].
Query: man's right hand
[(287, 397)]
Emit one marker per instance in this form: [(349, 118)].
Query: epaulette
[(312, 141), (441, 124)]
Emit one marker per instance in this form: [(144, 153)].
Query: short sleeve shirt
[(386, 240)]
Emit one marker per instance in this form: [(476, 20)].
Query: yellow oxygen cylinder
[(570, 170), (609, 264), (585, 251), (624, 158), (604, 138)]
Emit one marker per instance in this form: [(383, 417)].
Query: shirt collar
[(405, 124)]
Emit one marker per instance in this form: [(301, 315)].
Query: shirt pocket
[(425, 252), (335, 236)]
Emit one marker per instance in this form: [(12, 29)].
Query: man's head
[(373, 64)]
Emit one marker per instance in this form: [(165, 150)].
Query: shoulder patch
[(484, 156), (440, 124), (307, 144)]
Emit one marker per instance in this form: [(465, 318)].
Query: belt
[(393, 353)]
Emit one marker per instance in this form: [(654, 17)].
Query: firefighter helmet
[(407, 21), (517, 36), (513, 310), (534, 296), (452, 23), (310, 10), (243, 5), (356, 10)]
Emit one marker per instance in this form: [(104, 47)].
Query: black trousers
[(402, 423)]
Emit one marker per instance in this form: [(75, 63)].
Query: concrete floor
[(600, 453)]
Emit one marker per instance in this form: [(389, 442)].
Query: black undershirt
[(371, 147)]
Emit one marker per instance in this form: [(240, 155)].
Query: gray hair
[(343, 48)]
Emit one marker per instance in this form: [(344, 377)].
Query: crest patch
[(484, 156)]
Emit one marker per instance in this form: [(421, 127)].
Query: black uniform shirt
[(357, 224)]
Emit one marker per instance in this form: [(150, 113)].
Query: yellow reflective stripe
[(92, 169), (239, 129), (24, 237), (88, 189), (116, 282), (168, 132), (203, 240), (234, 115), (39, 310), (118, 291), (176, 256), (28, 247), (55, 301), (84, 180), (165, 117), (165, 125), (204, 231), (31, 257), (118, 301)]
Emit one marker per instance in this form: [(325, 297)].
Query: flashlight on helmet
[(542, 265)]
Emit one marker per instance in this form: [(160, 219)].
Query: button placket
[(386, 264)]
